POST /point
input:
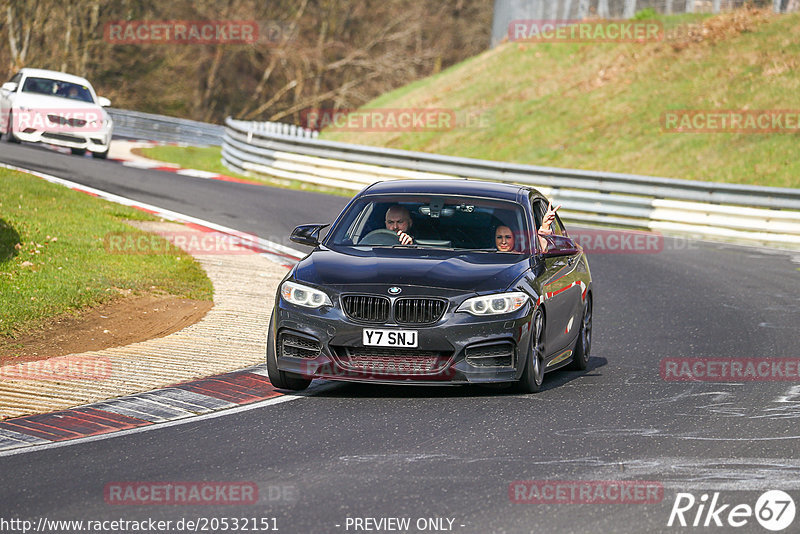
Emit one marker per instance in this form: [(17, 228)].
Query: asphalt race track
[(446, 458)]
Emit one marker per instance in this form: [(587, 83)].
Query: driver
[(398, 220)]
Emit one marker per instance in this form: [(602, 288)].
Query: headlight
[(494, 304), (304, 295)]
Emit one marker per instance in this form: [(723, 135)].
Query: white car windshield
[(434, 221), (57, 88)]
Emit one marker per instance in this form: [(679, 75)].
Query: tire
[(583, 346), (100, 155), (281, 379), (533, 375), (78, 151), (10, 133)]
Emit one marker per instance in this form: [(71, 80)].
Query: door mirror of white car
[(10, 86), (103, 101)]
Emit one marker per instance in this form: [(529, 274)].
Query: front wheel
[(10, 130), (100, 155), (580, 358), (281, 379), (533, 375)]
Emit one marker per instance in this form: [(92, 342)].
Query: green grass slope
[(53, 258), (599, 106)]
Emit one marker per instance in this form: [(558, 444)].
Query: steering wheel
[(381, 236)]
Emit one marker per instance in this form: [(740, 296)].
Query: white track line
[(313, 390), (268, 246), (180, 217)]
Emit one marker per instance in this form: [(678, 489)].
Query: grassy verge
[(53, 259), (208, 159), (600, 106)]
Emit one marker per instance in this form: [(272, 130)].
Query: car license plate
[(390, 338)]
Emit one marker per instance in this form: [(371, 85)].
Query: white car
[(45, 106)]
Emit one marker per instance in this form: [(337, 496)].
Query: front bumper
[(458, 349), (96, 141)]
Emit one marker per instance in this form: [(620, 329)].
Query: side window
[(539, 209), (359, 228), (557, 226)]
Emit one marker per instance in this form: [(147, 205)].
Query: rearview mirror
[(103, 101), (559, 245), (10, 86), (307, 234)]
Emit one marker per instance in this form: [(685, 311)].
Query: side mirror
[(103, 101), (10, 86), (560, 245), (307, 234)]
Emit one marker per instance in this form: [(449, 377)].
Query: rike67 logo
[(774, 510)]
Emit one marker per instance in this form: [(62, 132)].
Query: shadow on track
[(552, 380)]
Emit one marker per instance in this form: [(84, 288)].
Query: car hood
[(55, 104), (463, 271)]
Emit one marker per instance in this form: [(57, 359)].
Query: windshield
[(59, 88), (433, 221)]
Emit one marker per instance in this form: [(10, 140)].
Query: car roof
[(446, 186), (55, 75)]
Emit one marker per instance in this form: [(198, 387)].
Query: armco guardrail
[(137, 125), (745, 213)]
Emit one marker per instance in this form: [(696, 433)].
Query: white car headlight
[(304, 295), (494, 304)]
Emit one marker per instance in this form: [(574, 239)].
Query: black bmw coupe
[(476, 296)]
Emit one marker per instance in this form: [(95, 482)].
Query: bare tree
[(325, 53)]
